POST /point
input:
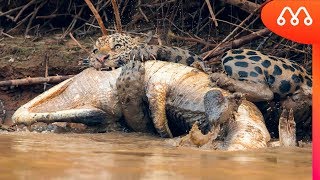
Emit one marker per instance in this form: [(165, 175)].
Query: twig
[(238, 42), (46, 61), (74, 39), (233, 32), (117, 16), (57, 15), (141, 12), (211, 13), (35, 80), (22, 10), (36, 9), (97, 16), (10, 11), (5, 34), (72, 24), (158, 4), (20, 23), (173, 36)]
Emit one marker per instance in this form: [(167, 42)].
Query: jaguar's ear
[(144, 39)]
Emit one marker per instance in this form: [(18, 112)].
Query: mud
[(21, 58)]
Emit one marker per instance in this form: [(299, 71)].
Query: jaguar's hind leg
[(253, 91), (287, 129), (132, 97)]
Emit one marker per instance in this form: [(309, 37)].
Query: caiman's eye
[(95, 50), (117, 46)]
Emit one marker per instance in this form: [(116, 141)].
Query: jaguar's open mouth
[(108, 68)]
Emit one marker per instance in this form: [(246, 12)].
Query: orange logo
[(297, 20)]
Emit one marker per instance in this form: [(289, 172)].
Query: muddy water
[(137, 156)]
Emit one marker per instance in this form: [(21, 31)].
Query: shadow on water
[(137, 156)]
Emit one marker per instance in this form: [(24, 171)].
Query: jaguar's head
[(112, 51)]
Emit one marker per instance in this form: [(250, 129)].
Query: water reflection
[(137, 156)]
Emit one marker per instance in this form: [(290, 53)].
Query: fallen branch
[(245, 5), (117, 16), (35, 80), (237, 43), (97, 16)]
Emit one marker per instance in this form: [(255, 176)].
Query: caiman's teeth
[(113, 68)]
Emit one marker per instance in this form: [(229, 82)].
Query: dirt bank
[(21, 58)]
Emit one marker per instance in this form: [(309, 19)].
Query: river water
[(26, 155)]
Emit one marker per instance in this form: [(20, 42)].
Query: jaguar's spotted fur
[(261, 77), (281, 76), (115, 50)]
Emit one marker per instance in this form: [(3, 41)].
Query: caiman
[(176, 96)]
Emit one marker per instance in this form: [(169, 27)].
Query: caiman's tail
[(27, 114)]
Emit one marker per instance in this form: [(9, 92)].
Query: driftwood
[(35, 80)]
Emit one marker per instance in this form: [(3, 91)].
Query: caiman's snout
[(214, 104), (219, 108)]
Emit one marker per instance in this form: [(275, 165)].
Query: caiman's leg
[(157, 104), (195, 137), (131, 94), (253, 91), (83, 114), (287, 129)]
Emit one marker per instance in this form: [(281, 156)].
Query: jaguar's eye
[(95, 51), (117, 46)]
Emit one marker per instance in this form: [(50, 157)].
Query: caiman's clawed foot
[(287, 129), (195, 137)]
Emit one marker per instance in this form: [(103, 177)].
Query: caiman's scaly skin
[(177, 95)]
